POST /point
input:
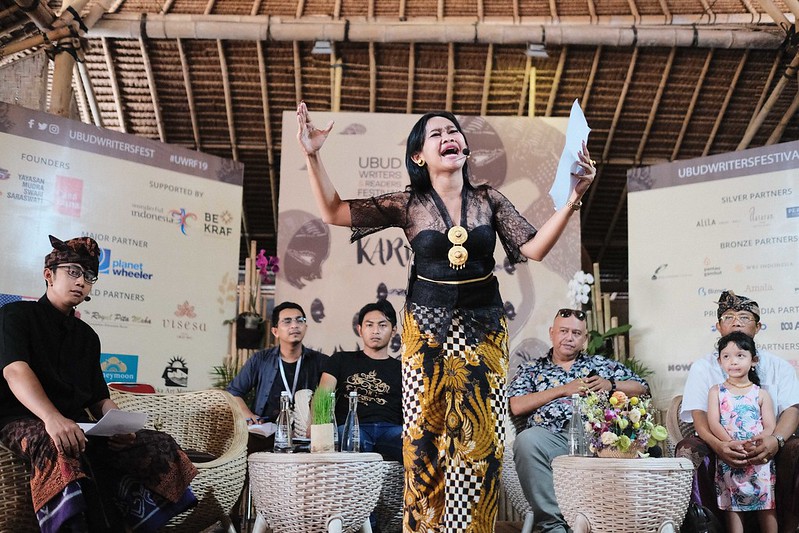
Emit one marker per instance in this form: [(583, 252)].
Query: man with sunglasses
[(778, 378), (287, 366), (541, 391), (51, 370)]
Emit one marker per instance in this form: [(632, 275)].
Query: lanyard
[(296, 376)]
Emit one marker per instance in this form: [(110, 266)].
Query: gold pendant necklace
[(457, 255)]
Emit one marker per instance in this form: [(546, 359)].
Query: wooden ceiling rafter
[(112, 78), (209, 7), (611, 133), (450, 75), (270, 153), (80, 95), (775, 66), (754, 126), (692, 105), (184, 67), (336, 78), (151, 85), (527, 94), (91, 96), (653, 110), (372, 78), (231, 122), (553, 93), (786, 118), (725, 104), (295, 47), (588, 203), (411, 77), (487, 79)]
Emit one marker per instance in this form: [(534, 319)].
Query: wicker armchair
[(16, 508), (390, 503), (205, 421), (510, 479), (676, 428)]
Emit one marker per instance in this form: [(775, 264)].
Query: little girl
[(738, 409)]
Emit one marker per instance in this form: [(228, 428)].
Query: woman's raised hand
[(310, 138), (586, 171)]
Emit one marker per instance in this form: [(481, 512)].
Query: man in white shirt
[(778, 378)]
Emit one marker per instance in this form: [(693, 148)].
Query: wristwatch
[(780, 441), (613, 385)]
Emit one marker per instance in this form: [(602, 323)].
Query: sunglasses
[(566, 313)]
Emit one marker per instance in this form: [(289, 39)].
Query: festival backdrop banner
[(167, 220), (702, 226), (364, 155)]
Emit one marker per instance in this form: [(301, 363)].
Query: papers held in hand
[(115, 422)]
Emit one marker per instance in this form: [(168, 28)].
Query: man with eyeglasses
[(287, 366), (778, 378), (541, 391), (51, 370)]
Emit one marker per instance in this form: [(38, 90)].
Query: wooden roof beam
[(725, 104), (148, 69), (689, 113), (372, 78), (231, 123), (80, 95), (775, 65), (589, 84), (528, 84), (608, 142), (790, 73), (336, 68), (553, 94), (270, 154), (91, 96), (297, 72), (184, 65), (112, 78), (776, 135), (450, 75), (653, 111), (411, 77), (487, 79)]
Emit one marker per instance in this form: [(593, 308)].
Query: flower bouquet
[(620, 426)]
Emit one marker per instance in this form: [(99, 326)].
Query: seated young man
[(376, 377), (51, 365)]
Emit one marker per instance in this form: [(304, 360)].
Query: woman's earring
[(420, 162)]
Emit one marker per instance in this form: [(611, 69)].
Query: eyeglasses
[(75, 272), (743, 319), (566, 313), (300, 321)]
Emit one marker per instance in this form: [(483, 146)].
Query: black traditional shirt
[(63, 352), (485, 214)]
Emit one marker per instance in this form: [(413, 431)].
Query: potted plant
[(324, 433)]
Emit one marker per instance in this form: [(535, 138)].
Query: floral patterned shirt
[(542, 374)]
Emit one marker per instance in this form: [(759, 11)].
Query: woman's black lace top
[(488, 214)]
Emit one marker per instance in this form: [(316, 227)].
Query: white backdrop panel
[(168, 220)]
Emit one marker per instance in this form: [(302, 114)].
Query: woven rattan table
[(622, 495), (316, 492)]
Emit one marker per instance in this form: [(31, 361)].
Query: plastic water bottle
[(351, 440), (283, 442), (576, 429)]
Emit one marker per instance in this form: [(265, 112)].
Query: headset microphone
[(466, 152)]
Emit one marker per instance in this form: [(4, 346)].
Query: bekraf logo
[(184, 321), (218, 224), (122, 267)]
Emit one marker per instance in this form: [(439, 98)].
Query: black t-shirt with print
[(378, 383)]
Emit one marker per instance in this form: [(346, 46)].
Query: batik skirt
[(454, 406)]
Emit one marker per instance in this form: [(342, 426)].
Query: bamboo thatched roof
[(659, 80)]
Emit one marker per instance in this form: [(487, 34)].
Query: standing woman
[(455, 343)]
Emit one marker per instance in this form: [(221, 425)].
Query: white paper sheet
[(576, 132), (265, 430), (115, 422)]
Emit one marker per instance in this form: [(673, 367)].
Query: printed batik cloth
[(454, 408)]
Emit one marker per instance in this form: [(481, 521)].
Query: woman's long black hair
[(420, 177), (744, 342)]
